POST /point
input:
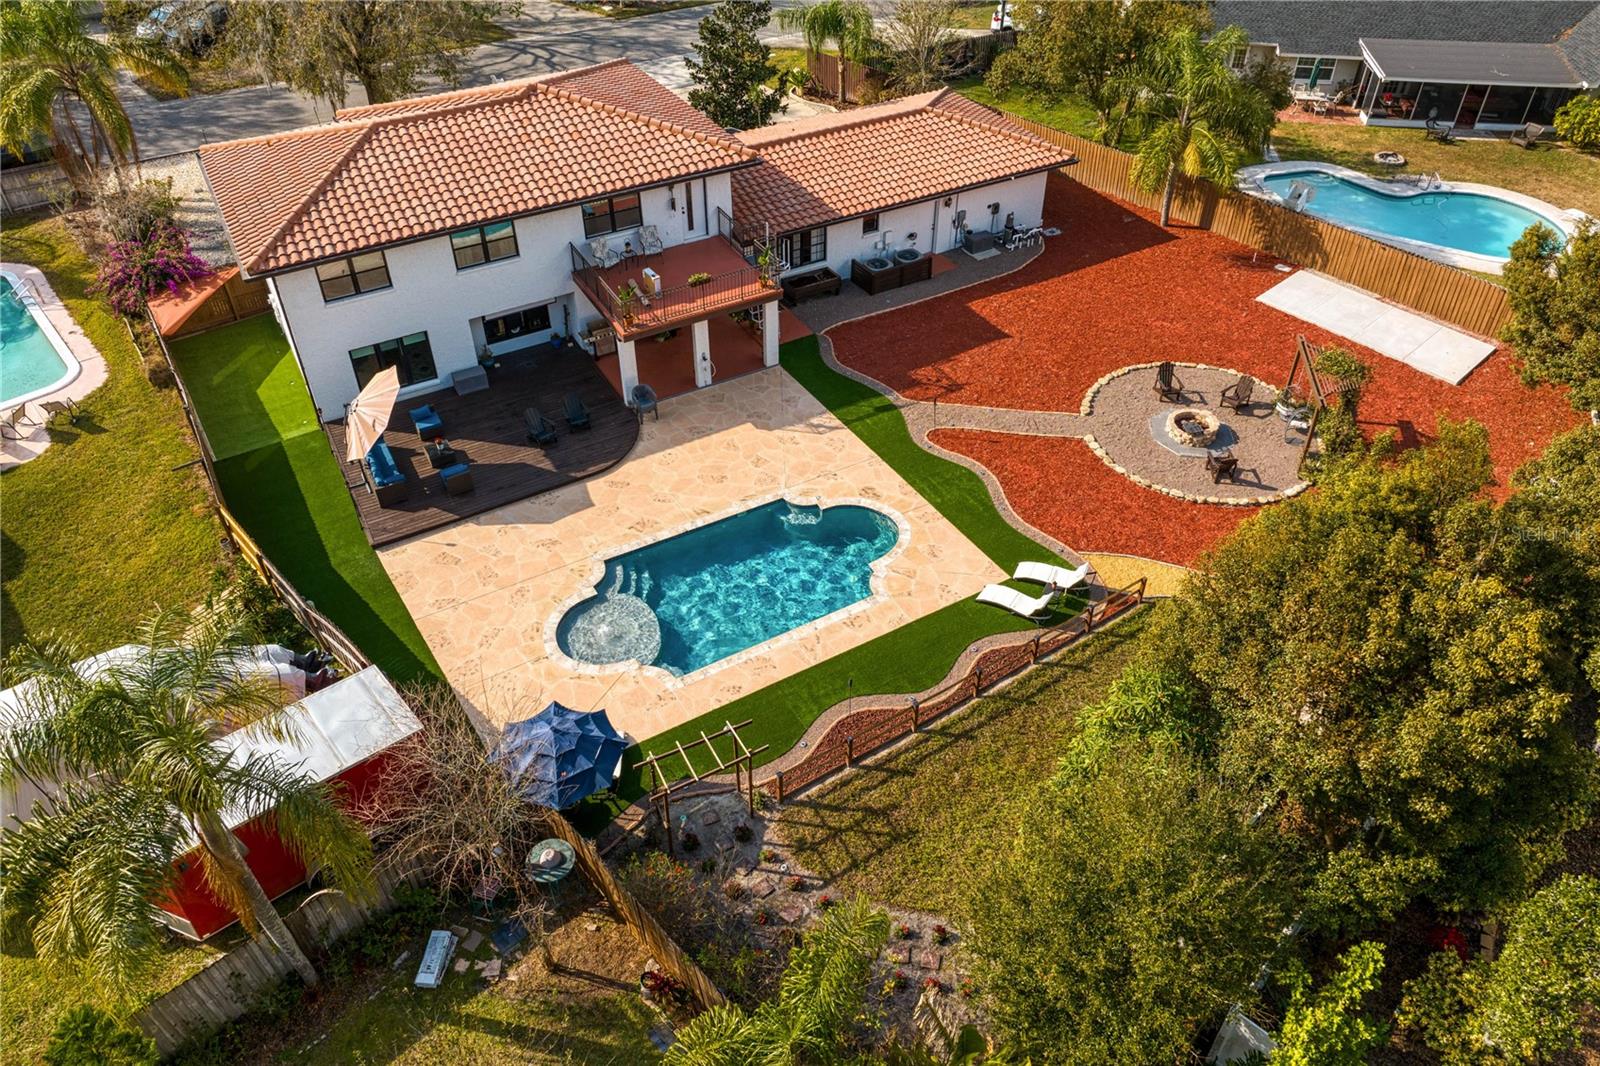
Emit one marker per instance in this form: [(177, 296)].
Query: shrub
[(88, 1036), (1554, 292), (1578, 122), (130, 212), (135, 269), (699, 277)]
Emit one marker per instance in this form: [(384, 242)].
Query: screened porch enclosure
[(1465, 84)]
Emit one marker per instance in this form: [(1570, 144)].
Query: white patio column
[(701, 333), (769, 333), (628, 364)]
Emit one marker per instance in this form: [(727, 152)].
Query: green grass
[(1551, 172), (975, 15), (1067, 113), (632, 9), (913, 828), (909, 659), (281, 480), (110, 521)]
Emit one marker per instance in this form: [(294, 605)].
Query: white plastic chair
[(600, 251)]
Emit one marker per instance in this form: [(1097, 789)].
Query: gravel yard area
[(198, 212)]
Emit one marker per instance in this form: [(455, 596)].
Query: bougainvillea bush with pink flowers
[(133, 271)]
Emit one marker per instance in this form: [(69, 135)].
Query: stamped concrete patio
[(487, 592)]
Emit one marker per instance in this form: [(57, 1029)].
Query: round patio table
[(540, 873)]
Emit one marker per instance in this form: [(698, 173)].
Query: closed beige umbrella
[(369, 413)]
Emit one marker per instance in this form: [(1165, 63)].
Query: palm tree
[(1195, 112), (139, 746), (55, 78), (845, 23), (820, 996)]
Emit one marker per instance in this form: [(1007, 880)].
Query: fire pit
[(1389, 159), (1192, 427)]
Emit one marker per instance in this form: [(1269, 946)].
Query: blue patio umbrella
[(560, 756)]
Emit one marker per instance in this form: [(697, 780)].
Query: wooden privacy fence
[(236, 300), (231, 984), (859, 733), (858, 78), (1432, 288)]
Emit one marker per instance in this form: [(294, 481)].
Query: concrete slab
[(1421, 343)]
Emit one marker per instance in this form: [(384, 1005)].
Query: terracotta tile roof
[(829, 167), (395, 172)]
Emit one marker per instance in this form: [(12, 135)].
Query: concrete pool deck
[(486, 591), (90, 372)]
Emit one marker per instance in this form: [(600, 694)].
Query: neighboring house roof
[(837, 166), (1486, 62), (1332, 27), (397, 172)]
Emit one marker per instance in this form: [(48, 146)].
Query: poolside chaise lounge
[(17, 416), (429, 425), (1050, 574), (577, 414), (1019, 603), (388, 483)]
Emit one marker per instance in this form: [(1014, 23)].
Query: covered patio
[(487, 428), (667, 366)]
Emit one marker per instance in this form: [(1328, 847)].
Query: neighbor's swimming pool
[(1464, 221), (32, 362), (688, 601)]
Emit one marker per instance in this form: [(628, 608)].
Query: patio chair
[(600, 251), (457, 479), (1169, 387), (540, 429), (1236, 397), (1057, 577), (650, 241), (1527, 135), (388, 481), (1319, 107), (17, 416), (429, 425), (1439, 132), (1222, 465), (52, 408), (577, 414), (1018, 603)]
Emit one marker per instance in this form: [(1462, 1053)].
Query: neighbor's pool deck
[(90, 375), (486, 592)]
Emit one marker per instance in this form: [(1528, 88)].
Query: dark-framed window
[(484, 244), (869, 224), (611, 214), (516, 324), (806, 246), (412, 354), (353, 275)]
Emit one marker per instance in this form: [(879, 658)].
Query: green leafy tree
[(388, 47), (1327, 1027), (1528, 1003), (1088, 48), (846, 25), (1578, 122), (88, 1036), (820, 1000), (59, 83), (139, 749), (1134, 900), (1399, 705), (734, 67), (1196, 116), (1554, 293)]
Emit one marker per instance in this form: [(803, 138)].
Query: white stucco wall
[(428, 294)]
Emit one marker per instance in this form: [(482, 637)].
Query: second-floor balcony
[(691, 281)]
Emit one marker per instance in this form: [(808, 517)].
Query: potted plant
[(625, 301), (556, 339), (699, 277), (764, 266)]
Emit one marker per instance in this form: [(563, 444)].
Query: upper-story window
[(356, 274), (869, 224), (484, 244), (611, 214)]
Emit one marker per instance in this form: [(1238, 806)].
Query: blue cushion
[(427, 420), (451, 471), (380, 460)]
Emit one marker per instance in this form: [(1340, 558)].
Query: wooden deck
[(487, 426)]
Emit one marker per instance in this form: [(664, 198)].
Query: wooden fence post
[(849, 751), (914, 710), (780, 786)]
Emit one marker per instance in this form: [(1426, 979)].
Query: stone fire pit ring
[(1192, 427), (1389, 158)]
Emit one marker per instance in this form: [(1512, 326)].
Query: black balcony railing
[(636, 311)]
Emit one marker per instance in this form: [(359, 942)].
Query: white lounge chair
[(1019, 603), (1050, 574), (650, 240)]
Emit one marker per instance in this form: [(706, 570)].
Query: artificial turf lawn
[(909, 659), (245, 385), (110, 521), (281, 481)]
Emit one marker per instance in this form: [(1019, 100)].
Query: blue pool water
[(28, 360), (1464, 221), (685, 602)]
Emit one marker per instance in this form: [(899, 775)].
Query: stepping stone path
[(791, 912), (929, 960), (470, 944), (762, 887), (900, 956)]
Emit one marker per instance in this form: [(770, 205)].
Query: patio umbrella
[(560, 756), (368, 415)]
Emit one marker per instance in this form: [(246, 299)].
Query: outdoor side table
[(549, 874)]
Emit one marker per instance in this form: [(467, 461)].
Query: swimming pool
[(689, 601), (1470, 222), (33, 359)]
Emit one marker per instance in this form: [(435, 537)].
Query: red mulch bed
[(1058, 485), (1116, 289)]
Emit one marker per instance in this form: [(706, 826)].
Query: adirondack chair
[(1236, 397), (1169, 387), (1222, 465)]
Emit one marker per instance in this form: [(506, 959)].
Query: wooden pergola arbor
[(742, 763), (1305, 360)]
